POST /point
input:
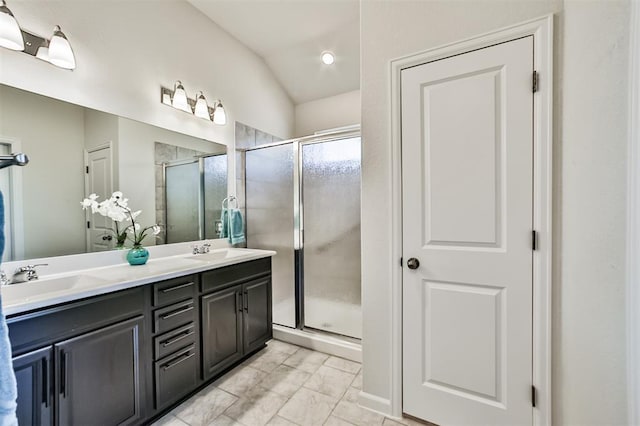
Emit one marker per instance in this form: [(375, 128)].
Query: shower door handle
[(413, 263)]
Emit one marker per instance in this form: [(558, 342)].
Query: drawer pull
[(177, 361), (170, 289), (177, 312), (177, 338)]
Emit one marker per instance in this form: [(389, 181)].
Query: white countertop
[(77, 284)]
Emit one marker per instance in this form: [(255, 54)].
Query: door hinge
[(535, 81), (533, 395), (87, 169), (401, 264), (534, 240), (88, 225)]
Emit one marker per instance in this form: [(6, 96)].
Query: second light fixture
[(178, 99)]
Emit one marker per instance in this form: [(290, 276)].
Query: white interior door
[(467, 160), (99, 181)]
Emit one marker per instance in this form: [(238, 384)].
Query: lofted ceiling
[(290, 36)]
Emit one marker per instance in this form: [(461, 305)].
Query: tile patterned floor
[(282, 385)]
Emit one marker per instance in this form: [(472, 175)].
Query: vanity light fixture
[(60, 52), (219, 114), (56, 51), (202, 108), (199, 107), (328, 58), (10, 34)]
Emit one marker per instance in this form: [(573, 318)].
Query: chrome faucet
[(26, 273), (202, 249)]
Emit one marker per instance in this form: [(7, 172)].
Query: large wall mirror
[(178, 181)]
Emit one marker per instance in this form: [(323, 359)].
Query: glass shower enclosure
[(303, 201), (194, 190)]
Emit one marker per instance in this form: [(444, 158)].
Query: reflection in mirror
[(75, 151)]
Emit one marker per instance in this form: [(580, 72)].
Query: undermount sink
[(45, 287), (218, 255)]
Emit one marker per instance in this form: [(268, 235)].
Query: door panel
[(99, 180), (257, 314), (33, 377), (98, 376), (467, 134), (331, 212), (183, 202), (270, 221), (221, 330)]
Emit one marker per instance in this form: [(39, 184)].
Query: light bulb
[(179, 99), (60, 52), (202, 108), (219, 115), (328, 58), (10, 33)]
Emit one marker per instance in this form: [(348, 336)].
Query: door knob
[(413, 263)]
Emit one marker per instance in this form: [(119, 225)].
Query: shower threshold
[(330, 343)]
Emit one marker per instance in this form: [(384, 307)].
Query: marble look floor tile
[(169, 420), (357, 415), (285, 347), (308, 408), (223, 420), (267, 360), (343, 364), (306, 360), (280, 421), (357, 382), (337, 421), (285, 380), (351, 395), (239, 381), (330, 381), (256, 407), (204, 407)]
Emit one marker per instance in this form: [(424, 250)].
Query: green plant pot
[(138, 255)]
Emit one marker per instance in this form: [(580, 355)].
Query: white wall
[(328, 113), (126, 51), (591, 86), (52, 133)]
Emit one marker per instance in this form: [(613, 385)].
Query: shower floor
[(333, 316)]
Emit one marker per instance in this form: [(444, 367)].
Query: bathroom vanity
[(142, 344)]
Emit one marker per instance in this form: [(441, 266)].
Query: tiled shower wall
[(247, 137)]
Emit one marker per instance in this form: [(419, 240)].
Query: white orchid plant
[(117, 209)]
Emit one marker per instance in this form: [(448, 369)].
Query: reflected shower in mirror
[(75, 151)]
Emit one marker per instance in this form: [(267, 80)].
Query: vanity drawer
[(173, 340), (175, 376), (174, 290), (173, 316), (235, 274)]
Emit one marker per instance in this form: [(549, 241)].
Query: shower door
[(182, 202), (303, 201), (269, 186), (331, 236)]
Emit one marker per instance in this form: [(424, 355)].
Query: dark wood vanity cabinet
[(34, 375), (88, 369), (127, 357), (236, 314)]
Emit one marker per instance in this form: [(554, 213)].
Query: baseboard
[(375, 403), (319, 342)]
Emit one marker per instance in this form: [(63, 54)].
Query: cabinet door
[(99, 377), (221, 330), (258, 328), (33, 375)]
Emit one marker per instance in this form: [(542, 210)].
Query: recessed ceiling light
[(328, 58)]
